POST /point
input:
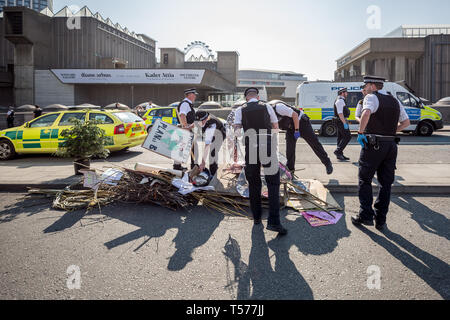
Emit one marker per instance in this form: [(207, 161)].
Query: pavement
[(146, 252), (423, 166)]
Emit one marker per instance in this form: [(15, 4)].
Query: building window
[(166, 58)]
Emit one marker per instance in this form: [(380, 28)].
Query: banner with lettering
[(129, 76), (170, 141)]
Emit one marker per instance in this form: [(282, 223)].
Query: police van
[(317, 100)]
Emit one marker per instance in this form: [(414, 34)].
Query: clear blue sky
[(292, 35)]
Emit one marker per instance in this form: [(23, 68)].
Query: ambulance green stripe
[(32, 146)]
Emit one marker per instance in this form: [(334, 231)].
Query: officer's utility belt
[(374, 140)]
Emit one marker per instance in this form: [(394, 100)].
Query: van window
[(407, 100), (353, 99), (166, 113)]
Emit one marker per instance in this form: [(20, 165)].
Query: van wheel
[(7, 151), (425, 129), (328, 129)]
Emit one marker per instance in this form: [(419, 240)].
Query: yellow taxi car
[(166, 114), (43, 135)]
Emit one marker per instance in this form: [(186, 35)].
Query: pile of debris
[(227, 193)]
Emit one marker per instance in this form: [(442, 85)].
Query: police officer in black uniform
[(214, 134), (10, 116), (259, 120), (37, 112), (382, 117), (298, 125), (341, 114), (186, 117)]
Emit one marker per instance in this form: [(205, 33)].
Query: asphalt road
[(145, 252)]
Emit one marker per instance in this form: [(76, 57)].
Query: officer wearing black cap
[(186, 116), (382, 117), (341, 114), (214, 134), (259, 120), (298, 125)]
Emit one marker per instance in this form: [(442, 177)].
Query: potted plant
[(83, 141)]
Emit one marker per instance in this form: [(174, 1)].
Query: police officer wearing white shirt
[(259, 120), (382, 117), (298, 125), (341, 114), (186, 117), (214, 133)]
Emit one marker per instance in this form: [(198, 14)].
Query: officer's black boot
[(278, 228), (380, 226), (358, 221), (340, 156), (329, 167)]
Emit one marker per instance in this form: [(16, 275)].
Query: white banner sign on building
[(170, 141), (129, 76)]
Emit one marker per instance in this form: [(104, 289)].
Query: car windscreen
[(128, 117)]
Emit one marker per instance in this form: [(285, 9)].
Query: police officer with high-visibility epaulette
[(259, 120), (382, 117), (298, 125), (341, 114), (359, 106)]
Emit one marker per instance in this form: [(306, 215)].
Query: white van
[(317, 100)]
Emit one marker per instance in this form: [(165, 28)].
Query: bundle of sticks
[(140, 188)]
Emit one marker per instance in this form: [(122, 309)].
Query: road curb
[(352, 189), (416, 189)]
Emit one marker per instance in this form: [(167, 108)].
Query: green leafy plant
[(83, 141)]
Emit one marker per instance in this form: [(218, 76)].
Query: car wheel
[(7, 150), (329, 129), (425, 129)]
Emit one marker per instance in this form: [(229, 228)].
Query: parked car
[(445, 102), (211, 105), (124, 130), (166, 114)]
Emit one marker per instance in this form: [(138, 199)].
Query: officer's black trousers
[(10, 123), (343, 138), (308, 134), (214, 156), (383, 163), (253, 175)]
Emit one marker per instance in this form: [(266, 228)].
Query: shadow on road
[(429, 220), (194, 230), (28, 206), (316, 241), (430, 269), (258, 280)]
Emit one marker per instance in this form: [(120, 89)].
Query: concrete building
[(37, 5), (417, 55), (72, 59), (279, 84)]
